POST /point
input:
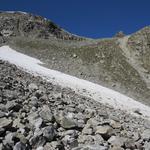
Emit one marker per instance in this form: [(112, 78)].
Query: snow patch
[(83, 87), (12, 12)]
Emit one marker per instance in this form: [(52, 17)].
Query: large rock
[(21, 137), (87, 131), (5, 123), (35, 120), (115, 124), (65, 121), (37, 141), (46, 114), (12, 105), (117, 141), (103, 130), (9, 139), (20, 146), (70, 141), (49, 133), (32, 87)]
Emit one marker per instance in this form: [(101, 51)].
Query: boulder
[(20, 146), (49, 133), (5, 123), (117, 141), (65, 121), (46, 114), (32, 87), (103, 130)]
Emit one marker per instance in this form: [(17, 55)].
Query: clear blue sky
[(90, 18)]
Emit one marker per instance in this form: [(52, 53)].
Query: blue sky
[(90, 18)]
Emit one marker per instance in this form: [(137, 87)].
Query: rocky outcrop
[(35, 114), (27, 25), (120, 34)]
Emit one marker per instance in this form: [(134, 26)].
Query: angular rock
[(65, 122), (9, 139), (12, 105), (70, 141), (37, 141), (35, 120), (32, 87), (49, 133), (117, 141), (87, 131), (98, 139), (68, 123), (33, 101), (93, 123), (103, 129), (130, 144), (115, 124), (89, 113), (17, 123), (46, 114), (20, 146), (5, 123), (21, 138)]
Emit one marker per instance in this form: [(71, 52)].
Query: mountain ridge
[(27, 24)]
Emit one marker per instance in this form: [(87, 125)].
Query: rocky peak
[(120, 34), (29, 25)]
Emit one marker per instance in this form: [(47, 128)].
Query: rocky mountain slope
[(37, 115), (28, 25), (120, 63)]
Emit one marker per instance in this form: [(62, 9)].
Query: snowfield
[(83, 87)]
